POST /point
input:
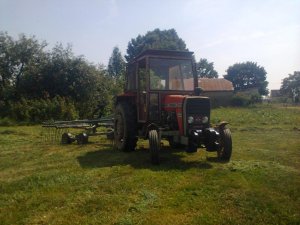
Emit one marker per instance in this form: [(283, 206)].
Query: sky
[(223, 31)]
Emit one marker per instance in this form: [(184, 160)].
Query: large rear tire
[(225, 150), (154, 144), (125, 128)]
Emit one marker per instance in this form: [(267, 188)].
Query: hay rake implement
[(54, 131)]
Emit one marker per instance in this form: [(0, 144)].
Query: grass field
[(47, 183)]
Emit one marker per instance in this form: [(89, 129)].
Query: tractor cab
[(155, 74), (162, 101)]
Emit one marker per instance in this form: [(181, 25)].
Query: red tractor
[(162, 100)]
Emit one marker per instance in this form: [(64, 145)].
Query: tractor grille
[(198, 106)]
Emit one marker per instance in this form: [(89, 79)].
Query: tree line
[(38, 83), (32, 76)]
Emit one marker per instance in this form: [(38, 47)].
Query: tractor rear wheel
[(225, 150), (125, 128), (154, 144)]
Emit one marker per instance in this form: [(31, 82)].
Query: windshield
[(171, 74)]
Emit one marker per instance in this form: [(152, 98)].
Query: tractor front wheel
[(192, 146), (125, 128), (173, 144), (154, 144), (225, 149)]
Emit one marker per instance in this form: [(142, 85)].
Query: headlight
[(205, 119), (190, 119)]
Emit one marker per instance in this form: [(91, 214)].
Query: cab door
[(142, 91)]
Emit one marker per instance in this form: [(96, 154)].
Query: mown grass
[(47, 183)]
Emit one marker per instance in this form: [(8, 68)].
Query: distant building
[(276, 94), (249, 91), (219, 90)]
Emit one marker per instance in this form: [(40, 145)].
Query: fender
[(128, 97), (222, 125)]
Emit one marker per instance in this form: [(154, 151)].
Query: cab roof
[(164, 53)]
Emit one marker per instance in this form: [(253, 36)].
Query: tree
[(6, 62), (30, 74), (206, 69), (156, 39), (18, 58), (72, 76), (246, 76), (116, 65), (291, 86)]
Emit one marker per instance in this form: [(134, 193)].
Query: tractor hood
[(197, 108), (173, 101)]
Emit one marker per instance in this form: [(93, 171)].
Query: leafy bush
[(255, 98), (38, 110), (241, 99)]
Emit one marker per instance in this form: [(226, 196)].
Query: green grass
[(47, 183)]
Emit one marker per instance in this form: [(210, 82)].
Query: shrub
[(241, 99), (38, 110), (255, 98), (238, 100)]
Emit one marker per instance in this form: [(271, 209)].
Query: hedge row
[(38, 110)]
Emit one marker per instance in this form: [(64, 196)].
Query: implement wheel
[(66, 138), (82, 138), (125, 128), (154, 144), (225, 149)]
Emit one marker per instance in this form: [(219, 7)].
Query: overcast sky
[(223, 31)]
